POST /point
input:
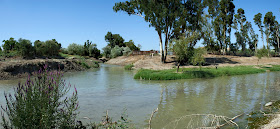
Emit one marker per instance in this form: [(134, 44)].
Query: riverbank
[(18, 68), (154, 63)]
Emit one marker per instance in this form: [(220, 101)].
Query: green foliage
[(224, 21), (48, 48), (93, 51), (132, 46), (9, 45), (198, 57), (25, 48), (168, 17), (126, 51), (128, 67), (75, 49), (262, 53), (95, 64), (116, 51), (41, 103), (114, 40), (107, 51), (190, 73)]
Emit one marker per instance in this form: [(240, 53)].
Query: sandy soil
[(149, 62)]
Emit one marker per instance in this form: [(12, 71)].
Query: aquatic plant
[(128, 67), (41, 102)]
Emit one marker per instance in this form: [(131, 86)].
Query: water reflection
[(114, 89)]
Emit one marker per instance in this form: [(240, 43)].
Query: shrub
[(75, 49), (128, 67), (64, 50), (95, 64), (41, 103), (126, 51), (25, 48), (116, 51), (48, 48), (107, 51), (93, 51)]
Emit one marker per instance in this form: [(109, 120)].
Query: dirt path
[(149, 62)]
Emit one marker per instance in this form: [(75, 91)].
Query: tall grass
[(189, 73)]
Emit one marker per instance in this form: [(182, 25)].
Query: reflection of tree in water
[(226, 96)]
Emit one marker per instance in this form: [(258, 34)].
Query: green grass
[(190, 73), (273, 68), (128, 67)]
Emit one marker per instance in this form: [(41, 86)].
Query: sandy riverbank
[(149, 62)]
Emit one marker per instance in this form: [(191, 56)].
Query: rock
[(268, 104)]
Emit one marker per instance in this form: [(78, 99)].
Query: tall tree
[(161, 14), (253, 40), (114, 39), (268, 22), (274, 40), (258, 22), (224, 21), (9, 45), (241, 25)]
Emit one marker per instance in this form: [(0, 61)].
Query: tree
[(75, 49), (9, 45), (114, 39), (51, 48), (25, 48), (94, 51), (224, 21), (198, 57), (161, 15), (268, 22), (107, 51), (253, 41), (258, 22), (183, 49), (241, 25), (86, 47), (131, 45), (274, 40)]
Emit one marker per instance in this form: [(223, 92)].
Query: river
[(114, 89)]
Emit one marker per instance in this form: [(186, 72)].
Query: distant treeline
[(51, 48)]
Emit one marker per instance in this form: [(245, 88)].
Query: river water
[(114, 89)]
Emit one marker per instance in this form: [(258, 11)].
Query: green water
[(114, 89)]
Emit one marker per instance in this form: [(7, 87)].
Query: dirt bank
[(18, 68), (149, 62)]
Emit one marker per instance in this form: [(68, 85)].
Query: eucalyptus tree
[(268, 21), (240, 25), (224, 21), (274, 40), (253, 40), (161, 14), (258, 22), (114, 39)]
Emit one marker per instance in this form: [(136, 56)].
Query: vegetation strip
[(190, 73)]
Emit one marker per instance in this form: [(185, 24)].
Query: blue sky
[(75, 21)]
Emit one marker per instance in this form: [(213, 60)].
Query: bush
[(75, 49), (9, 45), (64, 50), (126, 51), (116, 51), (128, 67), (25, 48), (93, 51), (41, 103), (107, 51), (48, 48)]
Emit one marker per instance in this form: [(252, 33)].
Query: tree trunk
[(165, 47), (178, 66), (277, 31), (256, 47), (267, 40), (161, 48), (224, 38)]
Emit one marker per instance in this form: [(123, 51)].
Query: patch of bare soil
[(149, 62)]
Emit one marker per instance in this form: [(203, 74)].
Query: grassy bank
[(190, 73)]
